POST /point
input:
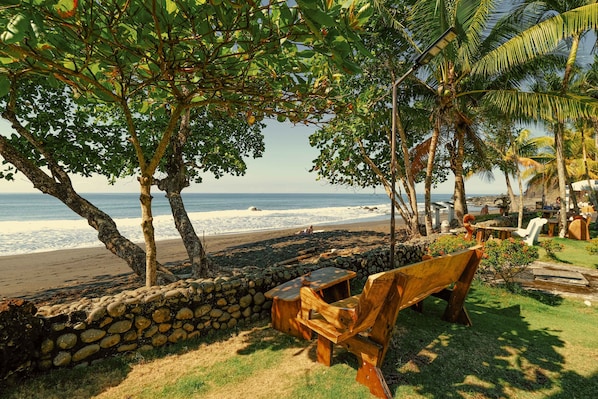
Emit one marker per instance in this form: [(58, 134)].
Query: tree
[(459, 77), (205, 142), (261, 59), (355, 144), (45, 120), (517, 150), (572, 19)]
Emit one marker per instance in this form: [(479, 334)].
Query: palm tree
[(580, 159), (457, 78), (450, 88), (556, 21), (480, 67)]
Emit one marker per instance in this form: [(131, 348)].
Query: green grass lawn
[(574, 253), (520, 346)]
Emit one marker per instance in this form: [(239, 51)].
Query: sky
[(283, 168)]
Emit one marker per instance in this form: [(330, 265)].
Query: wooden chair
[(579, 229)]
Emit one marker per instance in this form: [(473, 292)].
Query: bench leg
[(372, 377), (461, 316), (455, 309), (324, 351)]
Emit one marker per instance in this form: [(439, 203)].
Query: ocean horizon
[(37, 222)]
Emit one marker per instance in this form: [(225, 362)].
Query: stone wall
[(78, 333)]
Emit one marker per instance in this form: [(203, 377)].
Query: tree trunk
[(176, 180), (559, 136), (407, 214), (147, 226), (457, 164), (519, 181), (193, 246), (510, 191), (429, 176), (562, 177), (409, 180), (62, 190)]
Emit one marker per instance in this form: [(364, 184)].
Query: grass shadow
[(497, 355)]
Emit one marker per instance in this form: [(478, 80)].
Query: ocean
[(37, 222)]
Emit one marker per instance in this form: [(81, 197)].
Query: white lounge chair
[(532, 231)]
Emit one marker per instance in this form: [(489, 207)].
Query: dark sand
[(63, 273)]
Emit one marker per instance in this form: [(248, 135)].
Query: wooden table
[(549, 213), (484, 232), (330, 282)]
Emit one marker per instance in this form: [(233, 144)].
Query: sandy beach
[(29, 275)]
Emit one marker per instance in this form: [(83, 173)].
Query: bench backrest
[(432, 275), (355, 317), (372, 300)]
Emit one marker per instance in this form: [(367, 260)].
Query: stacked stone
[(79, 333), (147, 318)]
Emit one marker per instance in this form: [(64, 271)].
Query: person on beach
[(484, 210), (308, 230)]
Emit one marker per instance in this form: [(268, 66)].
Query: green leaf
[(15, 29), (7, 60), (321, 17), (306, 53), (4, 85), (171, 7)]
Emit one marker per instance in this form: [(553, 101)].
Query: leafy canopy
[(191, 52)]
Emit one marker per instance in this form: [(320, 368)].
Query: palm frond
[(538, 40), (478, 20), (548, 107), (429, 19)]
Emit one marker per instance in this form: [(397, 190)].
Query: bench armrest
[(340, 317)]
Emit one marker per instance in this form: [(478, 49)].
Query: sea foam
[(20, 237)]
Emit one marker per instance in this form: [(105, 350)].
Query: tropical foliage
[(167, 57), (484, 74), (505, 260)]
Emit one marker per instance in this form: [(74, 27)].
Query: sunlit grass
[(574, 253)]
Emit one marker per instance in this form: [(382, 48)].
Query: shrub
[(592, 248), (446, 244), (506, 259), (551, 246)]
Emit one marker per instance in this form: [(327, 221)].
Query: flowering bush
[(506, 259), (447, 244)]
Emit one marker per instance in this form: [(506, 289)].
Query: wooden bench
[(363, 324)]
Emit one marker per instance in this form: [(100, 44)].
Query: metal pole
[(393, 172), (423, 59)]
